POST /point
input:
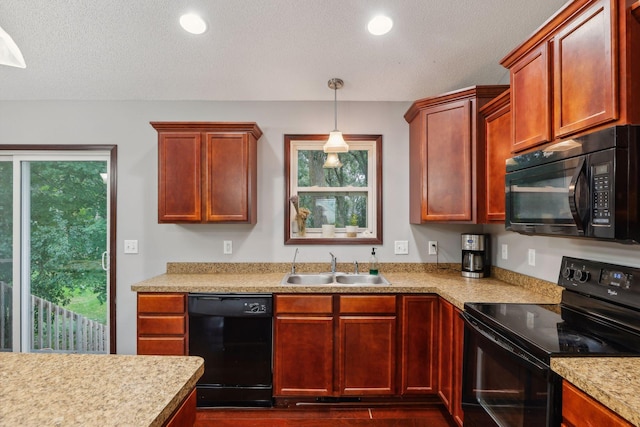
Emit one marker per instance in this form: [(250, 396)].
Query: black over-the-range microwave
[(584, 187)]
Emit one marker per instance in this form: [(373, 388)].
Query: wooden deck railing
[(54, 327)]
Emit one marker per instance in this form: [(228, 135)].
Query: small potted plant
[(352, 228)]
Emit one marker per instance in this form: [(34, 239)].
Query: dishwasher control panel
[(232, 305), (255, 307)]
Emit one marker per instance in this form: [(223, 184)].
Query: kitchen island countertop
[(52, 389)]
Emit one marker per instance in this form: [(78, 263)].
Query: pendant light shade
[(9, 52), (332, 162), (335, 143)]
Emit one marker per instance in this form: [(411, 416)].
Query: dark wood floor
[(310, 416)]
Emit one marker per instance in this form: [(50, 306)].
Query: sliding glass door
[(59, 280)]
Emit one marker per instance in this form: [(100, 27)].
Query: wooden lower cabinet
[(303, 345), (162, 324), (367, 355), (335, 345), (580, 410), (418, 354), (450, 352), (355, 345), (185, 415)]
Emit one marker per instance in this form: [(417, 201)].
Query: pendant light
[(335, 144), (9, 52), (332, 162)]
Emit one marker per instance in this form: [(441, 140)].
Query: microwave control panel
[(601, 182)]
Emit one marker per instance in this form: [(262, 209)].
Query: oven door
[(503, 385), (550, 198)]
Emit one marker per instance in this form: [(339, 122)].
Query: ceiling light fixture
[(193, 23), (380, 25), (9, 52), (335, 144)]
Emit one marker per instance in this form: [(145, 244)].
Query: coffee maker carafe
[(476, 260)]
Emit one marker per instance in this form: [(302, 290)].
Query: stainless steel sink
[(335, 279), (361, 279), (308, 279)]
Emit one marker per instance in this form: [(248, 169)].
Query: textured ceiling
[(260, 49)]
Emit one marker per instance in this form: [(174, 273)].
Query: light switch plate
[(130, 246), (228, 247), (401, 247)]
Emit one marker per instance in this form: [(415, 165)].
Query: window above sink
[(341, 205)]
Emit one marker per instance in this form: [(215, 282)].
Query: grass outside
[(86, 303)]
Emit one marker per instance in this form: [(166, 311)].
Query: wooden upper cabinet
[(531, 99), (447, 164), (585, 78), (179, 177), (497, 117), (575, 74), (207, 172)]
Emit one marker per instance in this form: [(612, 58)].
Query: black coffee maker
[(476, 255)]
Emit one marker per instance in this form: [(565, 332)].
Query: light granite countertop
[(613, 381), (51, 389), (447, 282)]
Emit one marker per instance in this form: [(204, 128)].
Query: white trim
[(370, 147)]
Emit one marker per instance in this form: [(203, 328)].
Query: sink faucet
[(334, 262), (355, 267), (293, 264)]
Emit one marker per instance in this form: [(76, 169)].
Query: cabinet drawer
[(161, 325), (171, 346), (304, 304), (367, 304), (161, 303)]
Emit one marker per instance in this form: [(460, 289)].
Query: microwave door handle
[(573, 203)]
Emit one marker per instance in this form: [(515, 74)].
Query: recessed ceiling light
[(380, 25), (193, 23)]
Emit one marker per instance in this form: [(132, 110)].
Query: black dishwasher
[(233, 334)]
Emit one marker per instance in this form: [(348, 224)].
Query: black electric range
[(508, 346), (599, 314)]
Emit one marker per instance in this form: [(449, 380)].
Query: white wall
[(127, 125)]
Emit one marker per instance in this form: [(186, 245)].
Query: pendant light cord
[(335, 106)]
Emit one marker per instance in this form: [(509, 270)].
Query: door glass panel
[(65, 222), (6, 253), (500, 390)]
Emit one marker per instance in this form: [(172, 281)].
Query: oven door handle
[(575, 193), (512, 349)]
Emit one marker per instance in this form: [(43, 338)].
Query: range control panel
[(609, 281)]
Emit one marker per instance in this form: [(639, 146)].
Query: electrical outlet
[(228, 247), (433, 247), (401, 247), (505, 251), (532, 257), (130, 246)]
